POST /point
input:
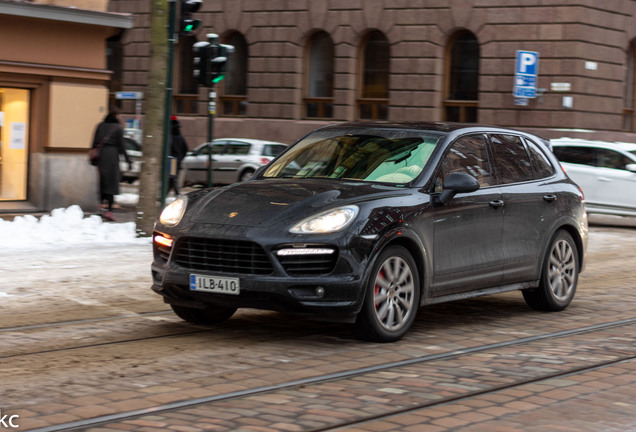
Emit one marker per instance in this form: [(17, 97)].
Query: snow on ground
[(64, 227)]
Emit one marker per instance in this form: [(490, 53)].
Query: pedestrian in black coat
[(178, 150), (109, 136)]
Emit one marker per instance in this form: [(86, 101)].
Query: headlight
[(172, 214), (327, 222)]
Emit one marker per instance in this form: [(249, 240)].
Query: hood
[(266, 202)]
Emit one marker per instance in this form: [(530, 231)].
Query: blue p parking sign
[(526, 71)]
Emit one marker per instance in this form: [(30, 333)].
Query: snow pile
[(64, 227)]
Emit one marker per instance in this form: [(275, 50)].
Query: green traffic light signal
[(190, 25), (218, 78)]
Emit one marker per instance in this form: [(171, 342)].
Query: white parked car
[(606, 172), (233, 160)]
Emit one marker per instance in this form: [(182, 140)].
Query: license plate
[(215, 284)]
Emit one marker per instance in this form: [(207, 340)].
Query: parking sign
[(526, 71)]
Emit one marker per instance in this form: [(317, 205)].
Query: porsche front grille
[(225, 256)]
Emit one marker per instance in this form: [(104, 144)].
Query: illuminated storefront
[(14, 143)]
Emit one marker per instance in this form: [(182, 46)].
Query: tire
[(246, 175), (209, 315), (559, 276), (391, 299)]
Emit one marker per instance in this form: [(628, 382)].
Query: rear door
[(617, 185), (530, 204), (228, 163), (467, 249)]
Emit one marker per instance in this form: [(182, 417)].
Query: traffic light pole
[(211, 113), (172, 38)]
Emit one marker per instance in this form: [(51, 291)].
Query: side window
[(541, 165), (575, 155), (469, 155), (511, 158), (236, 148), (273, 149), (219, 148), (607, 158)]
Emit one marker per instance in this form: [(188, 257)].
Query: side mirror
[(631, 167), (454, 183)]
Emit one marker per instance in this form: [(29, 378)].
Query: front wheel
[(559, 276), (391, 299), (246, 175), (209, 315)]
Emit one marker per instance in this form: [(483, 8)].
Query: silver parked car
[(233, 160), (130, 173), (606, 172)]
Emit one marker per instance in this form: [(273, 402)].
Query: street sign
[(129, 95), (526, 71)]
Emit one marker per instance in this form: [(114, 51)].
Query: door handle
[(496, 203), (604, 179), (549, 197)]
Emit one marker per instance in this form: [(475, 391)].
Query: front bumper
[(335, 295)]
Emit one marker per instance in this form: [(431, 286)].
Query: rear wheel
[(209, 315), (559, 276), (391, 299)]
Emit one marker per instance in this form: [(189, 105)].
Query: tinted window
[(273, 149), (235, 148), (541, 166), (469, 155), (511, 158), (575, 155), (607, 158)]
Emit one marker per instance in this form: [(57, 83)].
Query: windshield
[(378, 155)]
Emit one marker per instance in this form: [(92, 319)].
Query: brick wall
[(583, 43)]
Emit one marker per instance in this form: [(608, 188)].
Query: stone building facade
[(304, 63)]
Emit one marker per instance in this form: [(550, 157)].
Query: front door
[(467, 252)]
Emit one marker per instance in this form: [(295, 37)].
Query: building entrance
[(14, 143)]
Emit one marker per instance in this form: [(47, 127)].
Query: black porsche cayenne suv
[(367, 222)]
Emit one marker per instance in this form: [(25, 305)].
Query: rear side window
[(235, 148), (273, 149), (511, 158), (541, 166), (607, 158)]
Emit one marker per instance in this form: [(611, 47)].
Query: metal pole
[(172, 39), (211, 112)]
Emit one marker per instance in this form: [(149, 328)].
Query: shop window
[(462, 78), (14, 143), (319, 92), (376, 60)]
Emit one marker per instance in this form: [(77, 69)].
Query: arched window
[(630, 89), (376, 60), (186, 95), (234, 97), (462, 78), (319, 92)]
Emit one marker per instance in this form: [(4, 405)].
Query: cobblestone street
[(88, 346)]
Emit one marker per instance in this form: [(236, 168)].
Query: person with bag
[(109, 144), (178, 150)]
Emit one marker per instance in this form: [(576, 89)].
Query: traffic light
[(186, 23), (219, 56), (201, 63)]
